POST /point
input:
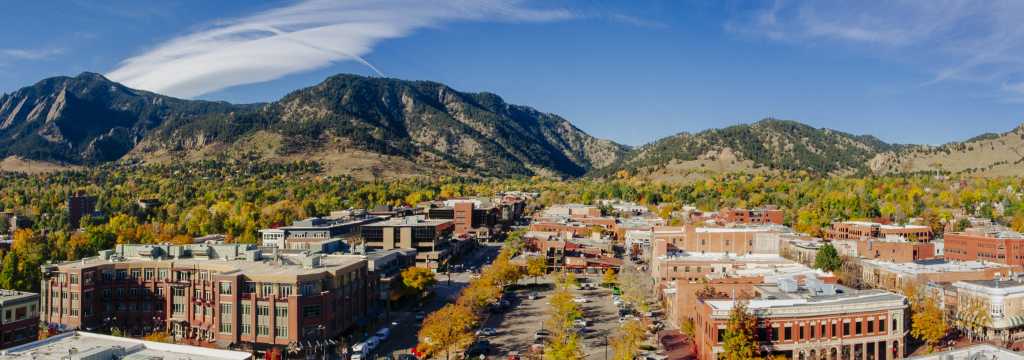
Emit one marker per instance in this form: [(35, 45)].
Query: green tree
[(828, 258)]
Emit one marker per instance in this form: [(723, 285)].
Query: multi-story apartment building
[(19, 317), (813, 321), (470, 215), (432, 239), (218, 294), (318, 234), (386, 268), (853, 230), (993, 244), (757, 216), (78, 207)]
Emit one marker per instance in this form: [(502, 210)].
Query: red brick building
[(813, 321), (986, 244), (227, 295), (757, 216), (899, 251)]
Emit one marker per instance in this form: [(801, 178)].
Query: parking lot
[(516, 327)]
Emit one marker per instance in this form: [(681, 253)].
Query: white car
[(486, 332), (384, 333), (581, 300)]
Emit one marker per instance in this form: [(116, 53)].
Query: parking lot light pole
[(606, 347)]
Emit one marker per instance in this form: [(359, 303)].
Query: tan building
[(1003, 300), (738, 240), (432, 239), (228, 295), (894, 276), (853, 230)]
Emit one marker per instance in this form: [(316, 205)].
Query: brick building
[(853, 230), (227, 295), (432, 239), (894, 276), (813, 321), (757, 216), (19, 317), (78, 207), (738, 240), (992, 244), (895, 250), (469, 216)]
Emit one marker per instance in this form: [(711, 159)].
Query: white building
[(78, 345)]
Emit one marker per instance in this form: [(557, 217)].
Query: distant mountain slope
[(987, 154), (346, 120), (762, 146)]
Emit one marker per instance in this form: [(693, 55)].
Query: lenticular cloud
[(300, 37)]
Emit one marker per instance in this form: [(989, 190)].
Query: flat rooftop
[(14, 296), (933, 266), (408, 221), (285, 264), (77, 345), (724, 257), (843, 296), (973, 352)]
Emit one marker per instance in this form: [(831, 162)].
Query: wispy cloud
[(300, 37), (977, 41), (30, 54), (636, 21)]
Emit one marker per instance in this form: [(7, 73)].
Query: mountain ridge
[(382, 128)]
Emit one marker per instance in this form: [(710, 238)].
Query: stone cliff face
[(90, 120)]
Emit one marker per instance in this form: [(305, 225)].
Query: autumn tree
[(609, 277), (447, 330), (536, 266), (741, 341), (627, 339), (929, 324), (418, 279), (828, 258), (972, 316), (564, 343)]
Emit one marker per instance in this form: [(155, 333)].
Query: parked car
[(581, 300), (486, 332), (513, 355), (420, 315), (482, 347), (541, 334), (533, 296), (384, 333), (356, 356)]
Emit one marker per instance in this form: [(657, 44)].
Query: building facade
[(854, 230), (985, 244), (19, 317), (78, 207), (432, 239), (814, 321), (228, 295), (757, 216)]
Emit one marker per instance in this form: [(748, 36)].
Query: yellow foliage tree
[(447, 330)]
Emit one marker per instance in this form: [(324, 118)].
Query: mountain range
[(386, 128)]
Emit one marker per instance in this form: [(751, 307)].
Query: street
[(403, 333)]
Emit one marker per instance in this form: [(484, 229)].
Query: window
[(225, 288), (246, 329), (225, 327), (788, 334), (775, 334), (108, 275), (262, 330), (178, 308), (249, 287), (721, 336), (846, 329), (821, 332), (284, 290), (834, 333), (881, 325), (149, 275), (163, 274), (266, 290), (281, 329), (895, 325), (262, 310), (310, 311), (281, 313), (246, 311), (122, 274), (306, 289), (225, 310), (871, 326), (74, 279), (136, 274), (857, 328), (801, 335)]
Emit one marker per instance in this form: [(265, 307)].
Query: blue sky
[(905, 71)]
